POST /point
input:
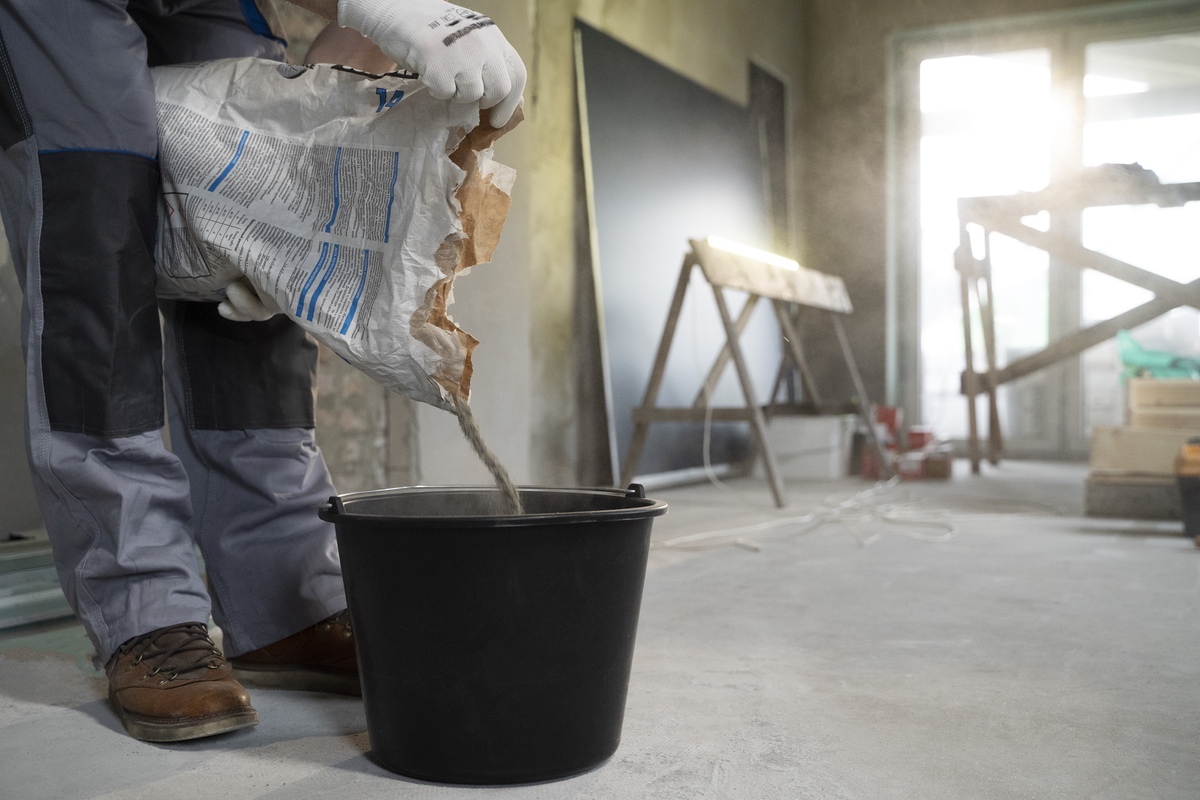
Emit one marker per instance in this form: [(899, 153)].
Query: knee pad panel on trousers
[(243, 375), (101, 342)]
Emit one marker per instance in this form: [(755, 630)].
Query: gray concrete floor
[(1028, 653)]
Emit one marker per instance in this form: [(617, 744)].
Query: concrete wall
[(843, 142)]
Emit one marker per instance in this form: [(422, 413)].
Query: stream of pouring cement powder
[(510, 498)]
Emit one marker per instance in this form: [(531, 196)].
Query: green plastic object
[(1142, 363)]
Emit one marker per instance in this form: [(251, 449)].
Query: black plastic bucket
[(494, 649)]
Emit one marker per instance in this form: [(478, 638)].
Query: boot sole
[(152, 730), (297, 679)]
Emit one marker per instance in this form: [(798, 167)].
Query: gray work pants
[(79, 185)]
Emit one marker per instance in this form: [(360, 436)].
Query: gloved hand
[(458, 53), (242, 304)]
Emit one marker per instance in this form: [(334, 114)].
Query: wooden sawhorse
[(762, 276)]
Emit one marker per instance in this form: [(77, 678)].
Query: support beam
[(641, 429), (757, 423), (718, 368), (1076, 343)]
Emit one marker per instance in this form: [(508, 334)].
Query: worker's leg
[(242, 422), (78, 190), (242, 414)]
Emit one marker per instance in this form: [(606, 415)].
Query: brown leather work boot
[(173, 684), (319, 658)]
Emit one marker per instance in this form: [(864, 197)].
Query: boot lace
[(176, 651), (341, 618)]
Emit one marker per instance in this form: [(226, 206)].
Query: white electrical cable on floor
[(882, 509), (877, 505)]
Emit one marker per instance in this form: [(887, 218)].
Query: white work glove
[(242, 304), (459, 54)]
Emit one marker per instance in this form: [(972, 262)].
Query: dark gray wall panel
[(672, 161)]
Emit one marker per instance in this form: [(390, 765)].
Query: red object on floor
[(869, 465), (890, 416), (911, 466), (920, 437)]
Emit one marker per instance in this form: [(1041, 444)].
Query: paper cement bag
[(349, 201)]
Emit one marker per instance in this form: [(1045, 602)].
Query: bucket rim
[(643, 508)]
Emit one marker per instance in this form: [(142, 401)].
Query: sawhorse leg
[(970, 385), (757, 423), (791, 338), (864, 402), (987, 317), (641, 426)]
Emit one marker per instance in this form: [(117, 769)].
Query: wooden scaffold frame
[(1106, 185)]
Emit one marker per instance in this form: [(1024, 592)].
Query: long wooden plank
[(589, 194), (806, 287), (1080, 257), (1073, 344), (1074, 198)]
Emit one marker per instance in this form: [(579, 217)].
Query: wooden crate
[(1182, 418), (1143, 451), (1150, 392)]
